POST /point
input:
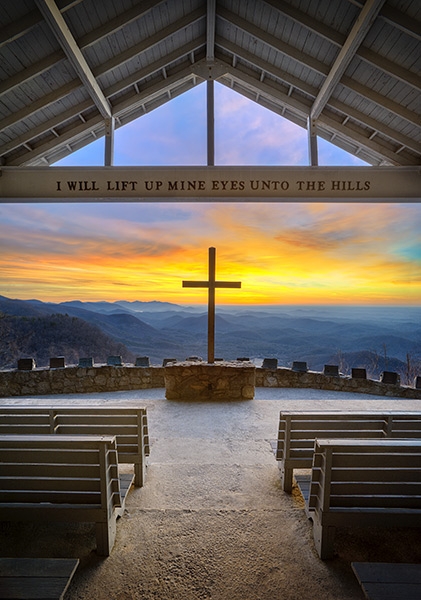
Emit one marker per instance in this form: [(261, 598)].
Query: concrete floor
[(212, 520)]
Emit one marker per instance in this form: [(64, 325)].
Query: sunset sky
[(282, 253)]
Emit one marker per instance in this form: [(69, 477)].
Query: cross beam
[(212, 284)]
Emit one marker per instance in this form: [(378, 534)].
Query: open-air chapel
[(205, 479)]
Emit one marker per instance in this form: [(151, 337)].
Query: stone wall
[(288, 378), (79, 380), (202, 381), (101, 378)]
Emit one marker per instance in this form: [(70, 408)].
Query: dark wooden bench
[(128, 424), (358, 483), (298, 429), (63, 478), (36, 578), (389, 581)]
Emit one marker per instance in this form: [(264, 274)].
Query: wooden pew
[(357, 483), (128, 424), (36, 578), (62, 478), (385, 581), (298, 429)]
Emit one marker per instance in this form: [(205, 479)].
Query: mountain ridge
[(317, 335)]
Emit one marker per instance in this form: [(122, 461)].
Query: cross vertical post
[(211, 305), (212, 284)]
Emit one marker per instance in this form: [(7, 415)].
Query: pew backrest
[(61, 478), (128, 424), (298, 430), (358, 483)]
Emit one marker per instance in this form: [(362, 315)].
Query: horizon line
[(230, 304)]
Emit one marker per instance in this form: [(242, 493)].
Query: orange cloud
[(282, 253)]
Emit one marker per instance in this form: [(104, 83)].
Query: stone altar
[(210, 381)]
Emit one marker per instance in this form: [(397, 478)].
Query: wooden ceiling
[(346, 70)]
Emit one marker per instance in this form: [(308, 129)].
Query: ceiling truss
[(71, 71)]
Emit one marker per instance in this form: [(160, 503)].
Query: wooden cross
[(212, 284)]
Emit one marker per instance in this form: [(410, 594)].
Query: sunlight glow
[(282, 253)]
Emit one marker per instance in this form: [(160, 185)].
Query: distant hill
[(153, 305), (374, 364), (43, 337), (375, 338), (123, 305), (135, 337), (24, 308)]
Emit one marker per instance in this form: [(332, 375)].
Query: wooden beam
[(347, 53), (273, 42), (57, 24), (154, 90), (32, 71), (22, 114), (352, 135), (90, 39), (147, 93), (149, 42), (145, 96), (397, 19), (40, 104), (210, 122), (113, 25), (109, 142), (313, 153), (316, 65), (209, 184), (310, 90), (335, 37), (210, 30), (17, 29)]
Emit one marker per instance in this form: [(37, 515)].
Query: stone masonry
[(217, 381), (79, 380), (102, 378)]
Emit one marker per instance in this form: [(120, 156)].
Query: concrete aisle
[(212, 520)]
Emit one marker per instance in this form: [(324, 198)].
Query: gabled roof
[(349, 69)]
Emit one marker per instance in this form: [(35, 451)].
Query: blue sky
[(245, 134), (283, 253)]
